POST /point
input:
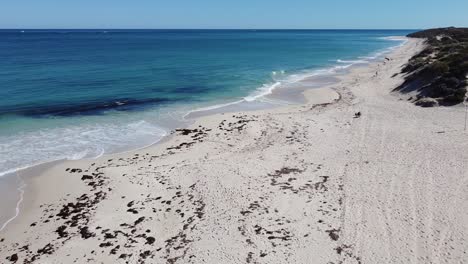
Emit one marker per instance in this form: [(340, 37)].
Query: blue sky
[(379, 14)]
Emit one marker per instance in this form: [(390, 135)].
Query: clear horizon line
[(211, 28)]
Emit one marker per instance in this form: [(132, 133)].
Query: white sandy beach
[(297, 184)]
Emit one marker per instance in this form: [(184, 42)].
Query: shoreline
[(288, 184), (273, 98), (38, 169), (269, 99)]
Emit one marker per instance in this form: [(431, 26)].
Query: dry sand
[(298, 184)]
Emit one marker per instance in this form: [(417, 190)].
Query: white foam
[(78, 155), (266, 89), (211, 107), (395, 38), (352, 61), (293, 78), (101, 153), (273, 73), (18, 204), (403, 40), (14, 170), (72, 142)]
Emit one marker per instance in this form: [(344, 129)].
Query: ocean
[(72, 94)]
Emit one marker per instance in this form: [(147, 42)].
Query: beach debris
[(333, 233), (13, 258), (85, 233), (75, 170), (232, 126), (61, 231)]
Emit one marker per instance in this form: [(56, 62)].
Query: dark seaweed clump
[(438, 74)]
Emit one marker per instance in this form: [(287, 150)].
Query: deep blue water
[(76, 93)]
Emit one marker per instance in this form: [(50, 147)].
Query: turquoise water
[(80, 93)]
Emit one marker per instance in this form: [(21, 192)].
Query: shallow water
[(75, 94)]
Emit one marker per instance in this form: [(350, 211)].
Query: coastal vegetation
[(438, 74)]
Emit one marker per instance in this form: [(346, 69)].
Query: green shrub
[(438, 68), (443, 76), (457, 97)]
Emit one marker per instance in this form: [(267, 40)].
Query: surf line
[(18, 204)]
